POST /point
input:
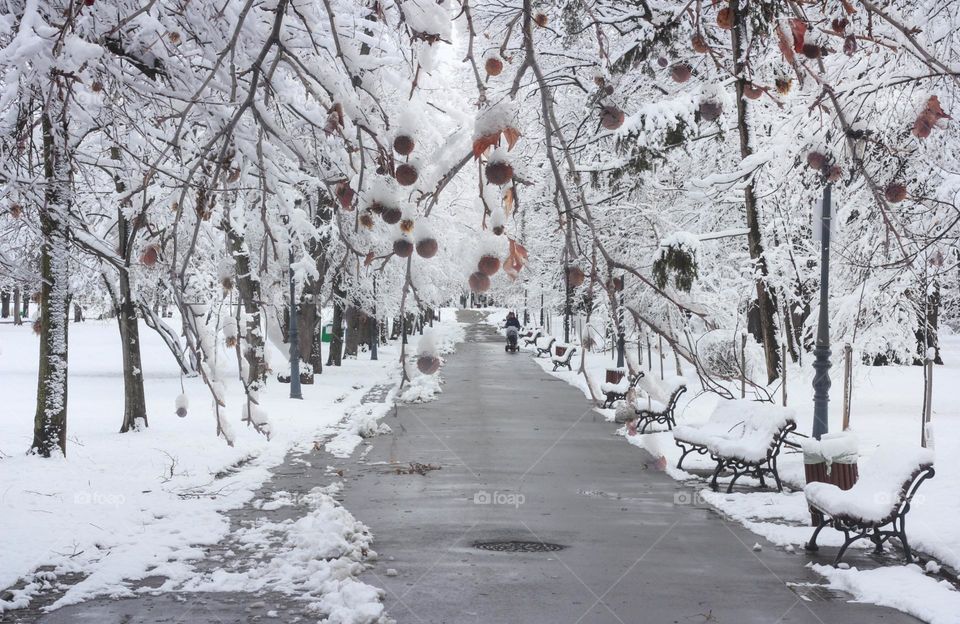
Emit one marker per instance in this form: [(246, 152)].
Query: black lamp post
[(294, 334), (621, 338), (566, 297), (374, 325), (821, 365)]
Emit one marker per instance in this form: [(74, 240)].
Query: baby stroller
[(513, 340)]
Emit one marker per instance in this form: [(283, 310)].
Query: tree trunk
[(17, 310), (928, 317), (766, 304), (357, 331), (134, 404), (311, 335), (336, 340), (50, 420), (5, 304), (248, 286), (307, 325)]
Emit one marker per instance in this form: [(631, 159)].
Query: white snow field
[(886, 408), (145, 503)]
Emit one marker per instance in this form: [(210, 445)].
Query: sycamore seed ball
[(479, 283), (403, 248), (406, 174), (427, 247), (488, 265), (403, 144)]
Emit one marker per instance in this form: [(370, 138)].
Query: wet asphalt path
[(523, 458)]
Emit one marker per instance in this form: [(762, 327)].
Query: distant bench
[(618, 391), (661, 413), (565, 358), (530, 336), (543, 344)]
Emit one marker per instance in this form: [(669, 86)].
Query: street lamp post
[(821, 365), (374, 325), (294, 335), (621, 338)]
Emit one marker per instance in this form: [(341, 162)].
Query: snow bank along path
[(124, 507)]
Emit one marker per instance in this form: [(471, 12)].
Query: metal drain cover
[(814, 592), (518, 546)]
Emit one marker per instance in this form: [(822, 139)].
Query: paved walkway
[(524, 458)]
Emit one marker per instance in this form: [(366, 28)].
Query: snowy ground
[(886, 410), (124, 507)]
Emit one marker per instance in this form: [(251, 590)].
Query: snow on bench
[(562, 360), (880, 497), (620, 387), (530, 336), (752, 447), (723, 421), (617, 391), (543, 345)]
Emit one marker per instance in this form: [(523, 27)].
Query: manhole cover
[(813, 592), (518, 546)]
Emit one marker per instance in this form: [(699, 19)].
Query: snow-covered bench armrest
[(876, 507), (657, 412), (886, 483), (563, 359)]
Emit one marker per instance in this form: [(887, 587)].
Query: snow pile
[(905, 588), (440, 339), (361, 422), (421, 389), (315, 558), (624, 412), (880, 486)]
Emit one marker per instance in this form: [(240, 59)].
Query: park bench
[(724, 419), (530, 336), (543, 345), (753, 446), (659, 412), (876, 507), (563, 359), (619, 390)]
